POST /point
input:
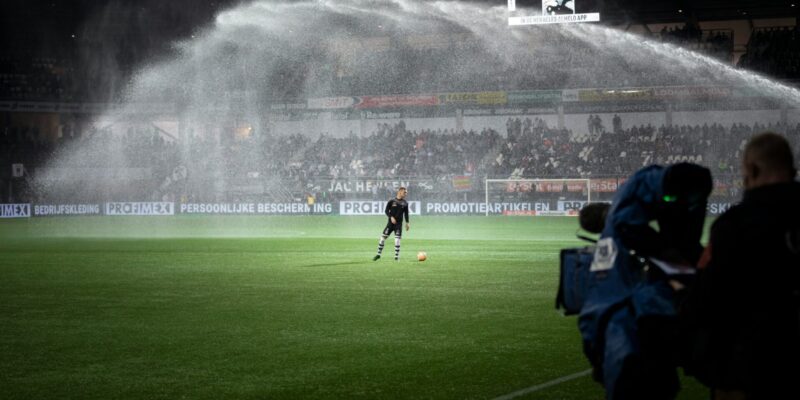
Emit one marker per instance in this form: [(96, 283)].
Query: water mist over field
[(263, 52)]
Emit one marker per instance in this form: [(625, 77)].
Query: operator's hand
[(676, 285), (705, 258), (394, 221), (407, 227)]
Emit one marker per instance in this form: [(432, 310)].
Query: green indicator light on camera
[(670, 199)]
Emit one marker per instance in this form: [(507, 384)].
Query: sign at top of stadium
[(522, 12)]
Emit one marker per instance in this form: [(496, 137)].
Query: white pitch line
[(539, 387)]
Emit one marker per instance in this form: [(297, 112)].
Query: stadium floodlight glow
[(553, 12)]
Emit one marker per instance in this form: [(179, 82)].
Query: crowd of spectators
[(774, 51), (35, 79), (716, 43), (218, 165), (392, 150), (532, 149)]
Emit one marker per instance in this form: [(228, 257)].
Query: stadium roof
[(23, 17)]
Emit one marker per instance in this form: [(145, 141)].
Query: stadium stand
[(775, 52), (717, 43), (35, 79), (289, 163)]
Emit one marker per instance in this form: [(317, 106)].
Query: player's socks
[(381, 243), (396, 249)]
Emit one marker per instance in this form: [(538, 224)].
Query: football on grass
[(422, 256)]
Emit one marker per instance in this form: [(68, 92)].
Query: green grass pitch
[(285, 308)]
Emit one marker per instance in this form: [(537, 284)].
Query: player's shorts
[(396, 228)]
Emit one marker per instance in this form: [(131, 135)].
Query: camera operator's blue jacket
[(619, 295)]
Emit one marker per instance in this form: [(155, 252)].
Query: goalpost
[(543, 197)]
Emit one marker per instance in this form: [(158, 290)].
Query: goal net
[(536, 197)]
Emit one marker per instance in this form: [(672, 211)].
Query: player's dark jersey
[(398, 209)]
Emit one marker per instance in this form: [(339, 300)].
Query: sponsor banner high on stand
[(535, 96), (615, 94), (483, 98), (397, 101), (684, 92)]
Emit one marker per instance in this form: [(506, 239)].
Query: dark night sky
[(39, 23), (129, 32), (135, 30)]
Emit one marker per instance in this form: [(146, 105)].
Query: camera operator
[(743, 307), (629, 319)]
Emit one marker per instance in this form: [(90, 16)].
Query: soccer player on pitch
[(396, 210)]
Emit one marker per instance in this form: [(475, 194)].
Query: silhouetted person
[(628, 320), (744, 306)]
